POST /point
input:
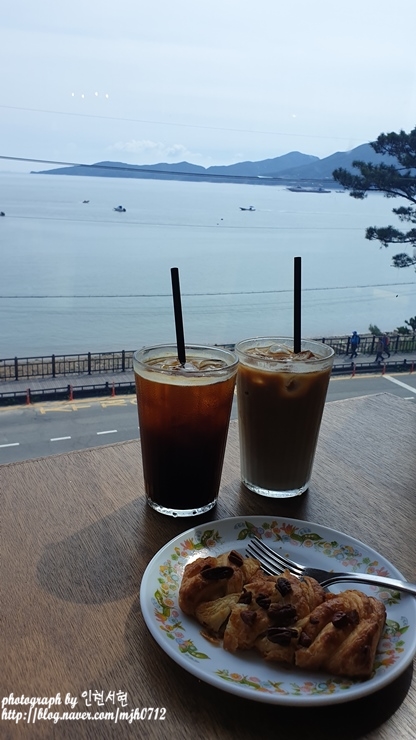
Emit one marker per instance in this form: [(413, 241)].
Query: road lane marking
[(115, 402), (67, 406), (50, 409), (109, 431), (399, 382), (11, 444), (58, 439)]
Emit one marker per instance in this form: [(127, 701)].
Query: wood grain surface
[(77, 535)]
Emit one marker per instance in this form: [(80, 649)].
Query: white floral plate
[(246, 673)]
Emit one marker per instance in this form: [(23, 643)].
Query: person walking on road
[(354, 342), (386, 343), (380, 350)]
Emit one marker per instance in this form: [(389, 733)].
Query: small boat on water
[(300, 189), (119, 209), (2, 213), (85, 201), (250, 208)]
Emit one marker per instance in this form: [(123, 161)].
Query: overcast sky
[(207, 81)]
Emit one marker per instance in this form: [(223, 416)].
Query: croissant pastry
[(270, 602), (342, 634), (207, 579), (285, 618)]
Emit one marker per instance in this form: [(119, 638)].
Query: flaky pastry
[(207, 579), (285, 618)]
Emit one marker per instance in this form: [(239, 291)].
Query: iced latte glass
[(281, 398), (184, 414)]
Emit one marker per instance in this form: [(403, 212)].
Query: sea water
[(77, 277)]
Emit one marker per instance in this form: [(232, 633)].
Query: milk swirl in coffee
[(281, 397)]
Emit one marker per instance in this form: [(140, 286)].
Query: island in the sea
[(287, 169)]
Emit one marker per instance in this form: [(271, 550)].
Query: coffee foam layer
[(169, 370), (192, 365), (280, 352)]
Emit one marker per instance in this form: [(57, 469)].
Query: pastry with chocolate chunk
[(207, 579), (287, 619), (342, 634), (270, 620)]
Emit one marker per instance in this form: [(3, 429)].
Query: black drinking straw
[(177, 307), (297, 304)]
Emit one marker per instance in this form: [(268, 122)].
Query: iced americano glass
[(184, 414), (281, 397)]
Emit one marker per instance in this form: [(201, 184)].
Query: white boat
[(119, 209), (250, 208)]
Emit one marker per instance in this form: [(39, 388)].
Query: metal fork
[(274, 564)]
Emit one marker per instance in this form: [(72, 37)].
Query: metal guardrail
[(402, 343), (72, 393), (53, 366), (384, 366)]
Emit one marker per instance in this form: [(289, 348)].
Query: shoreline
[(121, 361)]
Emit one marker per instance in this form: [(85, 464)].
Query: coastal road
[(39, 430)]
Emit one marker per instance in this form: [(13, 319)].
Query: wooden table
[(76, 536)]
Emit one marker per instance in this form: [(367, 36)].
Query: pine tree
[(395, 181)]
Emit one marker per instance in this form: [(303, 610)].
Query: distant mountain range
[(294, 167)]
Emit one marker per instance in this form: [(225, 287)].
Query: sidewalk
[(108, 384), (398, 357), (400, 362), (64, 386)]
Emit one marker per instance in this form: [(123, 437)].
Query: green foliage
[(403, 330), (412, 324), (392, 180), (373, 329)]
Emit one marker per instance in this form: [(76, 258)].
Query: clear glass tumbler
[(184, 414), (281, 398)]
